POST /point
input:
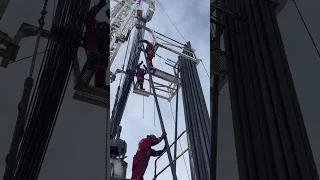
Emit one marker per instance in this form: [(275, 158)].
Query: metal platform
[(170, 89), (166, 76), (86, 92), (142, 92), (94, 96)]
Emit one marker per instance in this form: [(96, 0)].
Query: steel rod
[(160, 118)]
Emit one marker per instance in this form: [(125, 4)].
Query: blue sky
[(192, 20)]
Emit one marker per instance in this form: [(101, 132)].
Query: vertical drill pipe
[(176, 130), (107, 156), (174, 175), (198, 122), (215, 105), (214, 126)]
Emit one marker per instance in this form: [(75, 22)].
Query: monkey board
[(168, 91)]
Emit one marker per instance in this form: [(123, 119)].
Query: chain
[(43, 14)]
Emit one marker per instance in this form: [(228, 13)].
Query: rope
[(305, 25), (25, 58), (171, 21), (205, 69)]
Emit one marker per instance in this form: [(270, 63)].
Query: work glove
[(163, 135)]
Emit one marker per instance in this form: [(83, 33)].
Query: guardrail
[(155, 167)]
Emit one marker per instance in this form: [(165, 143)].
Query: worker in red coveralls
[(140, 75), (97, 44), (150, 54), (141, 159)]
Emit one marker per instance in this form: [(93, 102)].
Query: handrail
[(156, 175), (155, 167)]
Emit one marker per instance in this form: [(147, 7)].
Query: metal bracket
[(12, 44)]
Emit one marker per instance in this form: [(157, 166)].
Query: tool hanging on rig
[(23, 104)]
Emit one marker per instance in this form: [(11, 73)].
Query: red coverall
[(140, 76), (149, 53), (97, 44), (141, 159)]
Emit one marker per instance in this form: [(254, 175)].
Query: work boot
[(103, 86)]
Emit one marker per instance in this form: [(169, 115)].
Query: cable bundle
[(66, 32)]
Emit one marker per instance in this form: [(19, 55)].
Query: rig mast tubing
[(176, 125), (215, 100), (197, 119), (127, 82)]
